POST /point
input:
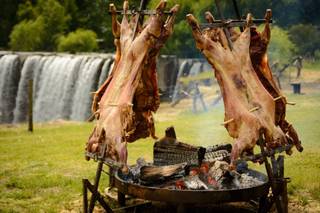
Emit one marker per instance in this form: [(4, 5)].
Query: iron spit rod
[(225, 30), (96, 184), (231, 23), (236, 9), (142, 12), (270, 175), (143, 5)]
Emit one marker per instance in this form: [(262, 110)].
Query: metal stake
[(225, 30), (236, 9), (143, 5)]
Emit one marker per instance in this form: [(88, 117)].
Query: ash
[(208, 176)]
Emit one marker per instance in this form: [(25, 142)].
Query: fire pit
[(183, 160), (176, 165), (157, 193)]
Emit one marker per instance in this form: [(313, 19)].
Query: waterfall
[(9, 80), (62, 85), (56, 88), (105, 71), (21, 108), (86, 84)]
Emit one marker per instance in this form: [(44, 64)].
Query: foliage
[(79, 41), (64, 16), (306, 37), (28, 35), (184, 46), (281, 48), (47, 22), (55, 21)]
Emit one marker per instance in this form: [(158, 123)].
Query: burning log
[(169, 150), (153, 174)]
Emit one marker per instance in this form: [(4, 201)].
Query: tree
[(79, 41), (28, 35), (306, 37), (47, 22), (281, 48)]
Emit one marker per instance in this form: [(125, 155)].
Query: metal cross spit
[(225, 24), (141, 12)]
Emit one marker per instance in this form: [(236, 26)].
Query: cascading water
[(86, 84), (56, 88), (9, 80), (62, 85), (21, 109), (105, 71)]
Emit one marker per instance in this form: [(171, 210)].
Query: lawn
[(42, 171)]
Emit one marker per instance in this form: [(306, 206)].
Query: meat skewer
[(124, 104), (241, 88)]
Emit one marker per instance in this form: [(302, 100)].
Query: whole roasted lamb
[(253, 103), (123, 105)]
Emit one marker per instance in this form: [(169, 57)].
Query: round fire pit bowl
[(153, 193)]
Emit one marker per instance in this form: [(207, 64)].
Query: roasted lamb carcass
[(258, 54), (249, 107), (123, 105)]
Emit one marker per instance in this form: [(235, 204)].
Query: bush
[(281, 49), (79, 41), (306, 37), (48, 20), (27, 35)]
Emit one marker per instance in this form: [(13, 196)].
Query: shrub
[(46, 22), (306, 37), (281, 48), (79, 41), (27, 35)]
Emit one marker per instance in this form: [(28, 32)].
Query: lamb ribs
[(123, 105), (253, 103)]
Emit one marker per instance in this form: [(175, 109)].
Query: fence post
[(30, 106)]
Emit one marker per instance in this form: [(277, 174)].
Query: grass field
[(42, 171)]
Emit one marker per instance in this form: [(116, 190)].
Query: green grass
[(42, 171), (201, 76), (312, 65)]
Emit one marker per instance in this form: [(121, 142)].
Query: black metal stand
[(278, 182), (96, 195)]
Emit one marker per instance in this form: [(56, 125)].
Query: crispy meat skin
[(258, 53), (241, 89), (123, 105)]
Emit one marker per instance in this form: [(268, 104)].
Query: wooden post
[(30, 105)]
